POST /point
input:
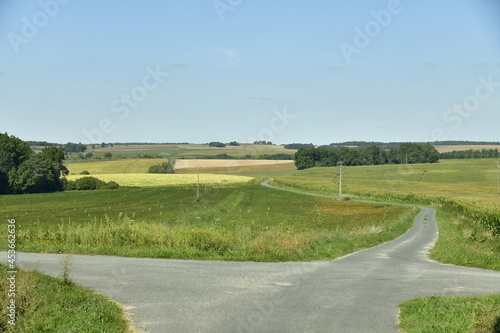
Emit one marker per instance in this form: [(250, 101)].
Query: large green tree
[(35, 175), (13, 152), (23, 171), (55, 156)]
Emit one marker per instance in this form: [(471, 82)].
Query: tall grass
[(228, 223), (46, 304)]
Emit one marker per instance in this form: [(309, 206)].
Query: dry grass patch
[(209, 163)]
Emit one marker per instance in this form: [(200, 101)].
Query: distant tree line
[(71, 147), (217, 144), (225, 156), (23, 171), (388, 145), (298, 145), (461, 154), (42, 144), (373, 155)]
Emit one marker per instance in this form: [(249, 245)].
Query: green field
[(187, 150), (471, 183), (248, 222)]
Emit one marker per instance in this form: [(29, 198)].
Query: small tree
[(164, 167), (89, 156), (108, 155), (216, 144)]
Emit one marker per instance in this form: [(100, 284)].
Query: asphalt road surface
[(356, 293)]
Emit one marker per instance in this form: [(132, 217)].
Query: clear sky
[(277, 70)]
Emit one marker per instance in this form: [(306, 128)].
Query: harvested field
[(446, 149), (186, 164)]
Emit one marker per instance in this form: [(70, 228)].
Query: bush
[(84, 172), (217, 144), (68, 185), (89, 183), (112, 185), (164, 167)]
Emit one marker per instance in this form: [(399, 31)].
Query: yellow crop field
[(154, 180), (114, 166)]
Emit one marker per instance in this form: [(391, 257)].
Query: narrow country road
[(356, 293)]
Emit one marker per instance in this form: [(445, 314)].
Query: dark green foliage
[(55, 156), (13, 152), (234, 143), (217, 144), (298, 145), (23, 171), (112, 185), (305, 158), (108, 155), (84, 172), (34, 175), (164, 167), (373, 155), (462, 154), (89, 183), (275, 157), (89, 156), (74, 148)]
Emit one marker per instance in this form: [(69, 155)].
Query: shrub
[(89, 183), (112, 185), (84, 172), (68, 185), (164, 167)]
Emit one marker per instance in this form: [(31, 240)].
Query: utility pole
[(198, 184), (340, 180)]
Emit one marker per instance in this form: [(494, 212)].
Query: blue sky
[(282, 71)]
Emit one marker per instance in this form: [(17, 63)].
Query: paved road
[(355, 293)]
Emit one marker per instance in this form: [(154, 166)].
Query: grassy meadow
[(247, 222), (451, 314), (47, 304)]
